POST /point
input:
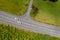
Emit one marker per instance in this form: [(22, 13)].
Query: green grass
[(11, 33), (48, 12), (15, 7)]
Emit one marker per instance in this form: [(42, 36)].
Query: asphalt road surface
[(28, 24)]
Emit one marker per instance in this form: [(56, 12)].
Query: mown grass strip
[(48, 12), (15, 7)]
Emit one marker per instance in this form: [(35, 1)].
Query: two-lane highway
[(28, 23)]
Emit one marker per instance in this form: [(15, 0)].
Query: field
[(15, 7), (46, 12), (11, 33)]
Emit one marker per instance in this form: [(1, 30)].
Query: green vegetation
[(15, 7), (48, 12), (11, 33)]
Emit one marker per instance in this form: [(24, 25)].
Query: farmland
[(15, 7), (46, 12), (8, 32)]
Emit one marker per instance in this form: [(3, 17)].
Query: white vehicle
[(15, 18), (18, 21)]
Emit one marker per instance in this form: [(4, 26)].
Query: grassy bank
[(11, 33), (46, 12), (15, 7)]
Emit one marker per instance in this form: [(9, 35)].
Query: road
[(28, 23)]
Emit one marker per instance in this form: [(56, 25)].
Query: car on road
[(18, 20)]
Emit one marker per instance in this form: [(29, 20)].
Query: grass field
[(15, 7), (46, 12), (11, 33)]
